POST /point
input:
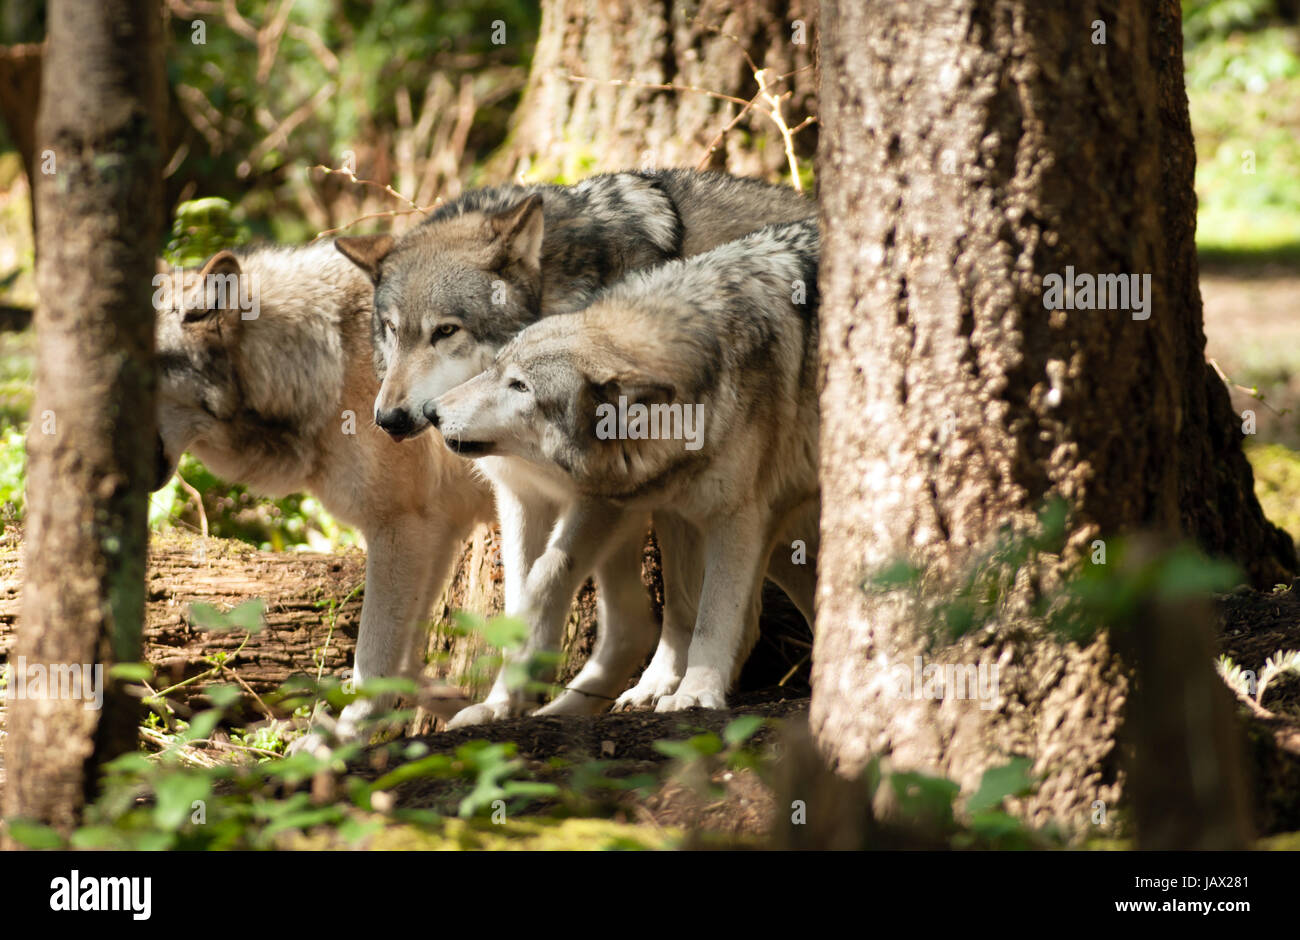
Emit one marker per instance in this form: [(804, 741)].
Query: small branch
[(1253, 392)]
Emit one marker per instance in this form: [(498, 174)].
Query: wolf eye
[(517, 386), (447, 329)]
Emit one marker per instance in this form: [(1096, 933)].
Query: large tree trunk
[(574, 118), (968, 150), (91, 443)]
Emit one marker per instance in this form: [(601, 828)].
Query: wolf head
[(553, 396), (251, 359), (195, 330), (448, 295)]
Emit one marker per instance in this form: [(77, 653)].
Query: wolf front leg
[(527, 520), (407, 563), (626, 630), (735, 555)]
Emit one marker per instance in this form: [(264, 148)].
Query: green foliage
[(526, 671), (343, 89), (1205, 19), (700, 758), (1277, 484), (1243, 73), (200, 229), (246, 616), (13, 474), (235, 513), (1097, 595), (929, 805)]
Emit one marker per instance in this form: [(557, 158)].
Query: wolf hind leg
[(798, 578), (682, 563), (735, 552)]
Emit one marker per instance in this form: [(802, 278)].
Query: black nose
[(397, 422), (431, 413)]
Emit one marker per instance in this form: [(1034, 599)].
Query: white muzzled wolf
[(454, 290), (729, 338)]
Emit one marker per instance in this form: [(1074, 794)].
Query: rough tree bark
[(568, 128), (968, 150), (91, 441)]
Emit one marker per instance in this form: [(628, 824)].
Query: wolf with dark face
[(688, 391), (453, 291), (270, 383)]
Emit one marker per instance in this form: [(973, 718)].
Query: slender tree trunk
[(970, 149), (573, 119), (90, 444)]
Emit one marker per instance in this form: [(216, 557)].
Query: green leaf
[(467, 623), (437, 765), (893, 576), (998, 783), (383, 685), (34, 835), (223, 696), (742, 729), (177, 792), (246, 616), (506, 632), (1186, 572), (130, 672), (131, 763), (925, 798)]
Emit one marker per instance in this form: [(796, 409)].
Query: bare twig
[(1253, 391), (198, 502)]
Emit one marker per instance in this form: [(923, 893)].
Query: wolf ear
[(217, 300), (518, 232), (366, 251), (635, 389), (223, 262)]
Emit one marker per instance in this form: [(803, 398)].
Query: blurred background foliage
[(419, 96)]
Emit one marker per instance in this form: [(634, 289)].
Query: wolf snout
[(431, 413), (398, 422)]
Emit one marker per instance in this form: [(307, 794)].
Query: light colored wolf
[(270, 382), (452, 292), (689, 391)]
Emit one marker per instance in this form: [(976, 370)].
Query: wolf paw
[(571, 702), (648, 691), (481, 714), (702, 698), (310, 743)]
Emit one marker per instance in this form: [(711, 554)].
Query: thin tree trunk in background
[(968, 150), (90, 444), (569, 128)]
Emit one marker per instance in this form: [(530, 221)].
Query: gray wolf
[(280, 400), (452, 292), (729, 336)]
